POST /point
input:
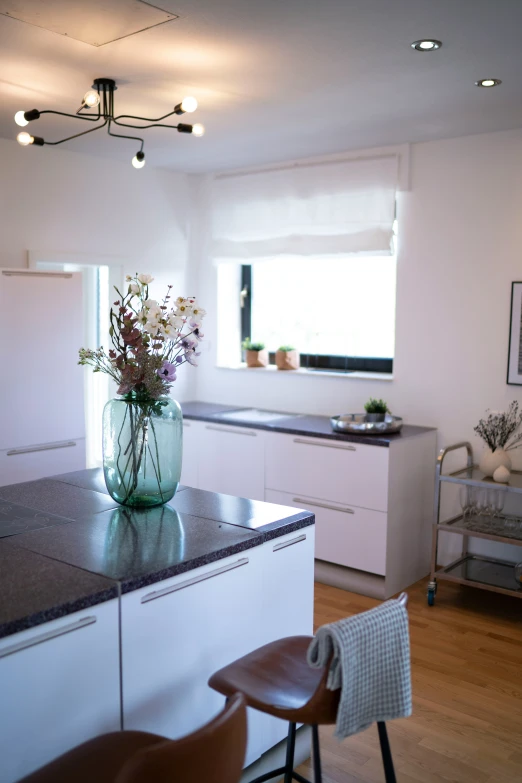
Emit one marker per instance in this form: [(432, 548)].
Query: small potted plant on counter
[(287, 358), (376, 410), (256, 354)]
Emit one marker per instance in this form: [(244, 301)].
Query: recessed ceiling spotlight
[(426, 45), (488, 82)]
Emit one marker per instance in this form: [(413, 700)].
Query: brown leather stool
[(276, 679), (213, 754)]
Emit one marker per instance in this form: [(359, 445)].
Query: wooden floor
[(467, 692)]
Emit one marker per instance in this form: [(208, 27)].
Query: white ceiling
[(277, 79)]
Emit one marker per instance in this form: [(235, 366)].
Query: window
[(339, 312)]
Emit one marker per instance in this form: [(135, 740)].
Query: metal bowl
[(356, 423)]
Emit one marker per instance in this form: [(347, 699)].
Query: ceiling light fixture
[(488, 82), (426, 45), (102, 96)]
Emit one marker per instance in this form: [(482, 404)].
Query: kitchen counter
[(114, 618), (66, 545), (292, 424)]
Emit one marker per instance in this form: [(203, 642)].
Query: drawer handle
[(45, 637), (36, 274), (324, 505), (233, 431), (189, 582), (63, 444), (325, 445), (284, 544)]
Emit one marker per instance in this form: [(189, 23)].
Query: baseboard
[(276, 756), (350, 579)]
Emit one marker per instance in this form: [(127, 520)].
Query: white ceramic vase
[(491, 460)]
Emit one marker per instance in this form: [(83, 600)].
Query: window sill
[(368, 376)]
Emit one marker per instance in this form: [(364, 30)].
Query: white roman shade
[(323, 209)]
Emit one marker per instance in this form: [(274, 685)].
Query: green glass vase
[(142, 449)]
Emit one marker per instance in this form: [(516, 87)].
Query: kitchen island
[(115, 618)]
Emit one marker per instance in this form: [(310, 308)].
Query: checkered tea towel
[(370, 663)]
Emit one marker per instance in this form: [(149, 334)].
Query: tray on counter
[(356, 424)]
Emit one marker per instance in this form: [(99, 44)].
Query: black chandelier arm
[(121, 136), (144, 127), (143, 119), (74, 116), (91, 130)]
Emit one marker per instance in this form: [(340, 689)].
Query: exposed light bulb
[(24, 138), (426, 45), (138, 160), (20, 118), (198, 129), (90, 99), (189, 104)]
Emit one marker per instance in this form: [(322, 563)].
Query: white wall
[(460, 247), (61, 202)]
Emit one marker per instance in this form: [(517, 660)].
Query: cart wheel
[(431, 597)]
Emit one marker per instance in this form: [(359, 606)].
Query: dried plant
[(497, 429)]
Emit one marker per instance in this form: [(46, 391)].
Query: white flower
[(170, 332), (128, 278), (184, 309), (175, 321), (142, 316), (197, 311), (145, 279), (134, 288), (150, 303), (152, 327)]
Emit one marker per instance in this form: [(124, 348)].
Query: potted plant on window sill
[(376, 410), (287, 358), (256, 354)]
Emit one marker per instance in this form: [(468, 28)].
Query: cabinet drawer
[(346, 535), (342, 472), (35, 462), (59, 686)]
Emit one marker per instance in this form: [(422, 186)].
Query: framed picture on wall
[(514, 374)]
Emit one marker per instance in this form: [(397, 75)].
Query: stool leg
[(290, 752), (389, 772), (316, 755)]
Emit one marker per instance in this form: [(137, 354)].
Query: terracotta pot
[(257, 358), (287, 360)]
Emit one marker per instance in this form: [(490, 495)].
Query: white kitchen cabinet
[(231, 460), (51, 337), (190, 461), (178, 632), (328, 469), (38, 461), (346, 535), (59, 686), (288, 601)]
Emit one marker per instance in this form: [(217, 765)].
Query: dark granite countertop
[(292, 424), (81, 548), (36, 589)]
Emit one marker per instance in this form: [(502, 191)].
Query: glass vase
[(142, 449)]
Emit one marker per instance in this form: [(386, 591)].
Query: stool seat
[(276, 679)]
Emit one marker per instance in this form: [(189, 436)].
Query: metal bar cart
[(469, 569)]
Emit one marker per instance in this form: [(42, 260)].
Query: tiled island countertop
[(66, 545)]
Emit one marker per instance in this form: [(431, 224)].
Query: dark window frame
[(314, 362)]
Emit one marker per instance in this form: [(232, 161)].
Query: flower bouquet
[(499, 433), (142, 429)]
